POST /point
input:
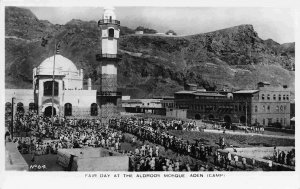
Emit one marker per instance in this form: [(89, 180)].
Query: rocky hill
[(152, 65)]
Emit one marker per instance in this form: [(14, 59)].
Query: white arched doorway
[(47, 109)]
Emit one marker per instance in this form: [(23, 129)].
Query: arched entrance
[(227, 119), (197, 116), (94, 109), (48, 111), (20, 107), (68, 109), (7, 107), (243, 119), (32, 106)]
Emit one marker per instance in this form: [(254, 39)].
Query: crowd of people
[(142, 129), (284, 157), (65, 133), (214, 125), (46, 138), (43, 137)]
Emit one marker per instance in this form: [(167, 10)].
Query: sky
[(275, 23)]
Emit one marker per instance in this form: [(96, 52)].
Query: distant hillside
[(152, 65)]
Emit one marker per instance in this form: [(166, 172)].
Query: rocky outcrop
[(152, 65)]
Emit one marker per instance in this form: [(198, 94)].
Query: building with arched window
[(94, 109), (58, 89), (69, 99)]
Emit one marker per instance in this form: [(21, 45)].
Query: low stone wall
[(14, 161), (92, 159), (111, 163)]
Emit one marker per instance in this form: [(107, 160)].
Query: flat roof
[(132, 101), (265, 82), (201, 93), (246, 92), (185, 92), (208, 94)]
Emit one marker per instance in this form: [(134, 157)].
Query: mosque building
[(68, 97)]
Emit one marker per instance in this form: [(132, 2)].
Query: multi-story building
[(168, 102), (152, 106), (271, 105), (265, 105)]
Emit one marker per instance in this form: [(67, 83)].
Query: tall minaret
[(107, 94)]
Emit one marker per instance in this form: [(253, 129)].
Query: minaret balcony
[(108, 21), (100, 57)]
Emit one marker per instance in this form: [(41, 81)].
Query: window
[(274, 97), (277, 108), (268, 108), (284, 121), (277, 120), (268, 96), (281, 108), (283, 97), (8, 107), (94, 109), (281, 121), (68, 109), (31, 106), (20, 107), (263, 96), (284, 107), (279, 97), (263, 107), (255, 108), (264, 121), (287, 97), (48, 88), (111, 32), (269, 120)]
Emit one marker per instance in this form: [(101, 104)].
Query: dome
[(63, 66)]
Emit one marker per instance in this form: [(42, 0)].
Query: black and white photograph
[(149, 89)]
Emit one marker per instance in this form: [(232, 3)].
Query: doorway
[(48, 111)]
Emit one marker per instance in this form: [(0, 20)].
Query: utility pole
[(12, 118), (53, 85), (246, 112)]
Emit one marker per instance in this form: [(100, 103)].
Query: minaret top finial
[(109, 13)]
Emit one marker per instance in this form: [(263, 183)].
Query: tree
[(171, 31), (145, 30), (140, 28)]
